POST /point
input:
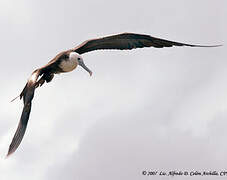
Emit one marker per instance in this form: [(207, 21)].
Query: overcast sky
[(145, 109)]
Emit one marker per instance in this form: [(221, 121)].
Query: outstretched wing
[(127, 41), (27, 94)]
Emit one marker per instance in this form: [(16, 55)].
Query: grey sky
[(155, 109)]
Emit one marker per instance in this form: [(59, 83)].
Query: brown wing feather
[(27, 94), (127, 41)]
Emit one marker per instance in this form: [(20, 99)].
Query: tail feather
[(15, 98)]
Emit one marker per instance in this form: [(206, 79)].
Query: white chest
[(68, 65)]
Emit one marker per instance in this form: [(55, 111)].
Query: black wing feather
[(19, 134), (127, 41), (27, 94)]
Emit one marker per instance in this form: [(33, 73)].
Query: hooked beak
[(81, 63)]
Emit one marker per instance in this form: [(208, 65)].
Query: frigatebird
[(67, 61)]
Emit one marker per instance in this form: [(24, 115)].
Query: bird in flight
[(67, 61)]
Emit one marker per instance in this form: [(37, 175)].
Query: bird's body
[(63, 62), (67, 61), (68, 65)]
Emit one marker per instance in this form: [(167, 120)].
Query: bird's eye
[(78, 59)]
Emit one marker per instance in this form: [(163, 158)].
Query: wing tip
[(10, 152), (205, 46), (8, 155)]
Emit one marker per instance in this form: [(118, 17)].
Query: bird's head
[(79, 59)]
